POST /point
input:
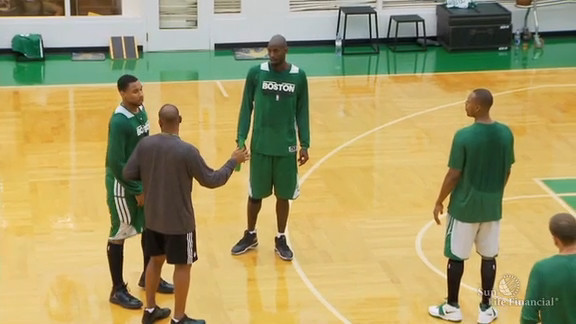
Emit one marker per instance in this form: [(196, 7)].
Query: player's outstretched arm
[(208, 177)]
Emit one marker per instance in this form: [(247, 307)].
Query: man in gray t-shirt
[(166, 165)]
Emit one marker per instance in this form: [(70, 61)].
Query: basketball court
[(366, 248)]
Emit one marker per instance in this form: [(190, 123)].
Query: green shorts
[(278, 172), (126, 218)]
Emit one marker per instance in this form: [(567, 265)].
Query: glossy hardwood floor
[(354, 229)]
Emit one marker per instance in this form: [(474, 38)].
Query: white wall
[(258, 21), (133, 8), (78, 31), (554, 18), (72, 31), (253, 26)]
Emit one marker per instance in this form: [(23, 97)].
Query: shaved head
[(563, 227), (169, 114), (277, 49), (169, 119), (483, 98), (278, 41)]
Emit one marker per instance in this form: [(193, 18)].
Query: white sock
[(252, 232), (279, 235), (175, 320), (150, 310)]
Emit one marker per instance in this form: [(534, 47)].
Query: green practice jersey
[(484, 153), (125, 130), (280, 104), (551, 292)]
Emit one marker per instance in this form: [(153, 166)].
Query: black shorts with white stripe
[(179, 249)]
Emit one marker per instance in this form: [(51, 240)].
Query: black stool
[(359, 10), (401, 19)]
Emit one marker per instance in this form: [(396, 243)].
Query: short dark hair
[(483, 97), (124, 81), (563, 226)]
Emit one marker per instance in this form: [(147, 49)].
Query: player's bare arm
[(450, 180)]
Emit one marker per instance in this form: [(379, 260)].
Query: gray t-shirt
[(166, 165)]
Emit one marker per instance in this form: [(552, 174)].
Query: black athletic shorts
[(179, 249)]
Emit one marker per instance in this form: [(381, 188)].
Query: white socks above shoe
[(252, 232), (175, 320), (150, 310)]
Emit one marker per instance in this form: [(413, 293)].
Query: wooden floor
[(355, 229)]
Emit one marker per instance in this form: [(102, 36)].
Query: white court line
[(110, 84), (557, 178), (571, 194), (313, 289), (422, 256), (222, 90), (554, 196), (295, 262)]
